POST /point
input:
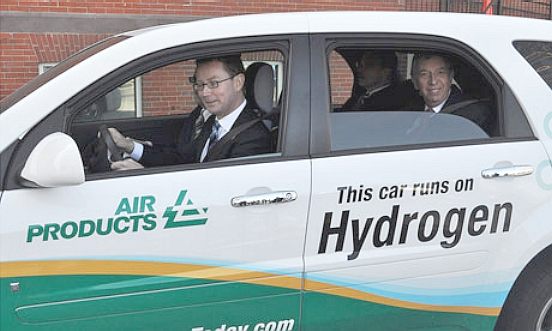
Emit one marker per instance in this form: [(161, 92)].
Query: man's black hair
[(386, 59), (233, 64)]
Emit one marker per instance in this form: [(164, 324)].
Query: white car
[(388, 219)]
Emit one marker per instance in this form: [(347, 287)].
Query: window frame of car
[(293, 141), (515, 128)]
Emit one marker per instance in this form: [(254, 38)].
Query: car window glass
[(160, 92), (341, 79), (375, 101), (157, 107), (166, 91), (357, 130), (539, 55)]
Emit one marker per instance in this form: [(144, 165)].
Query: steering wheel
[(116, 152)]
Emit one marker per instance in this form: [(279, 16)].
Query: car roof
[(436, 23)]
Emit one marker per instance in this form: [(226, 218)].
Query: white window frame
[(43, 67)]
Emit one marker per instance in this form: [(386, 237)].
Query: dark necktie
[(213, 137)]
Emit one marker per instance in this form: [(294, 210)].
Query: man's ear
[(239, 81), (415, 83)]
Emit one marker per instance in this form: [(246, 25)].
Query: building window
[(43, 67)]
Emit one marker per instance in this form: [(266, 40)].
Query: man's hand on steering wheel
[(124, 143), (117, 145)]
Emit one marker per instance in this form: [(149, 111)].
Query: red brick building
[(35, 34)]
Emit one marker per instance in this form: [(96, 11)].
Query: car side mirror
[(55, 161)]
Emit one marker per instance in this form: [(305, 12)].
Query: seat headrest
[(113, 100), (259, 86)]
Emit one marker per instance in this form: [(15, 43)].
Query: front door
[(157, 250), (209, 246)]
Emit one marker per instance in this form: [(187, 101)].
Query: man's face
[(433, 80), (370, 72), (223, 99)]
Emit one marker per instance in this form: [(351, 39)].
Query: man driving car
[(219, 85)]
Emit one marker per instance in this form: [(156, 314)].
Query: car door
[(410, 229), (211, 246)]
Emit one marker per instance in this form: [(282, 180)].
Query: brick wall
[(194, 7), (22, 51), (166, 90), (341, 79), (34, 32)]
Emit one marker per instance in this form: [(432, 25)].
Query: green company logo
[(185, 214), (134, 214)]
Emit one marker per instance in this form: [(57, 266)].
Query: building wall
[(47, 31), (194, 7), (21, 54), (34, 32)]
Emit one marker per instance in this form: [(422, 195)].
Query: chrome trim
[(514, 171), (264, 199)]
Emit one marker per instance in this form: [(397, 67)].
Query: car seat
[(259, 92)]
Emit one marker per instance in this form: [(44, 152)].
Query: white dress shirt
[(226, 124), (439, 107)]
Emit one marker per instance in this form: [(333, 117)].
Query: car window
[(166, 91), (159, 108), (380, 99), (539, 55), (160, 92)]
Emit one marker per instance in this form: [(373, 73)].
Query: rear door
[(164, 247), (407, 224)]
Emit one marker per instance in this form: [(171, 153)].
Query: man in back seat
[(377, 83), (432, 75)]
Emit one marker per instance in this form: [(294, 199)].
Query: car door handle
[(264, 199), (514, 171)]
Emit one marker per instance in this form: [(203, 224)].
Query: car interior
[(162, 128), (408, 124), (468, 78)]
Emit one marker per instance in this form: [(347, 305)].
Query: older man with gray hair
[(433, 75)]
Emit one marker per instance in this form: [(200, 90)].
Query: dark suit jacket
[(254, 140), (170, 154), (477, 111), (394, 97)]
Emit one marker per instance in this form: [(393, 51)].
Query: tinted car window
[(375, 101), (354, 130), (539, 55)]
